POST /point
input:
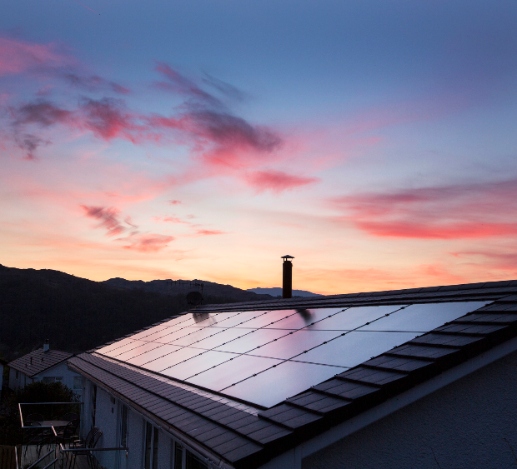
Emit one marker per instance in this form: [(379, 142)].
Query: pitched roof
[(247, 435), (37, 361)]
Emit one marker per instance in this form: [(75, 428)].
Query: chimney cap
[(287, 257)]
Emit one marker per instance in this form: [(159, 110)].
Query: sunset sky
[(373, 140)]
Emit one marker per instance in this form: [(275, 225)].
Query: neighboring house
[(46, 365), (398, 379)]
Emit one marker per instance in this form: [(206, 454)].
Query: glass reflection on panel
[(158, 352), (158, 333), (233, 319), (355, 347), (222, 337), (281, 382), (172, 359), (138, 350), (192, 335), (198, 364), (304, 317), (251, 340), (354, 317), (232, 371), (424, 317), (269, 318), (294, 343), (127, 347)]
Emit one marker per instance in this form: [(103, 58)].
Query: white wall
[(470, 423), (18, 380), (62, 371)]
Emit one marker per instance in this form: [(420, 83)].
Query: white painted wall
[(18, 380), (470, 423)]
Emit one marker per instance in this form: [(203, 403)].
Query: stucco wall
[(18, 382), (471, 423)]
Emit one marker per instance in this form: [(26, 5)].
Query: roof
[(38, 361), (246, 434)]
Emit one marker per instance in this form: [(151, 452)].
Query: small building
[(422, 377), (46, 365)]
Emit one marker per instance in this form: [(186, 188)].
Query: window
[(78, 382), (93, 403), (186, 459), (52, 379), (123, 426), (151, 447)]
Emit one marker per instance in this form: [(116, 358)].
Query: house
[(421, 377), (46, 365)]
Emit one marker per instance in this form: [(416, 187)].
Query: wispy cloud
[(41, 112), (277, 181), (479, 210), (147, 242), (109, 218), (204, 232), (107, 118), (17, 56), (92, 82)]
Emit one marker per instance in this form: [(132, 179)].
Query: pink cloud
[(218, 138), (43, 113), (175, 202), (492, 259), (92, 82), (175, 220), (277, 181), (19, 56), (148, 242), (179, 84), (107, 119), (209, 232), (446, 212), (108, 217)]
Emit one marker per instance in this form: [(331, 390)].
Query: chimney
[(287, 277), (46, 346)]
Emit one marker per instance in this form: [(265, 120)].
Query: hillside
[(77, 314), (182, 287)]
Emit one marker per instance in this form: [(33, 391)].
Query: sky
[(372, 140)]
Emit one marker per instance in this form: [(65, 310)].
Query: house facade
[(408, 378), (45, 365)]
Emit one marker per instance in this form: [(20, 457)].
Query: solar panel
[(285, 351), (282, 381)]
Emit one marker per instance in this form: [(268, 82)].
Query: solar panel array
[(263, 357)]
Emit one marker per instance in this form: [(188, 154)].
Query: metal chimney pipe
[(287, 277), (46, 346)]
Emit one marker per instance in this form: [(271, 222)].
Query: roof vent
[(287, 277), (46, 346)]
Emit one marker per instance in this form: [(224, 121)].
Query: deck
[(31, 454)]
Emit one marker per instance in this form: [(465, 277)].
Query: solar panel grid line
[(126, 347), (177, 386)]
